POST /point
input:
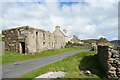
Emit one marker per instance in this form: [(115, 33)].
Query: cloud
[(101, 36), (86, 20)]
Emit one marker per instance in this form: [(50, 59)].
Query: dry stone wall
[(109, 58), (83, 47)]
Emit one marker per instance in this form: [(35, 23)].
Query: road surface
[(17, 69)]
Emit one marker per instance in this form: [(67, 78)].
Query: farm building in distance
[(76, 40), (102, 40), (27, 39)]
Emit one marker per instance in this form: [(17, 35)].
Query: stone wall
[(109, 58), (83, 47), (58, 32), (2, 47), (12, 38), (30, 40)]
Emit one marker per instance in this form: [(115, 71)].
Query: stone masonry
[(63, 33), (109, 58), (27, 39)]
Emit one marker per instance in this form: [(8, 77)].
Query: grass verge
[(10, 56), (72, 66)]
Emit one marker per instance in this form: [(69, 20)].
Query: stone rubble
[(86, 72)]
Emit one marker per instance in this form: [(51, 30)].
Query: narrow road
[(17, 69)]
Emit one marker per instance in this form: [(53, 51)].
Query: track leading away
[(17, 69)]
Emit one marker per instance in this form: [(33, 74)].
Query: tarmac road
[(17, 69)]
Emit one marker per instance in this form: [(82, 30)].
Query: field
[(72, 66), (10, 56)]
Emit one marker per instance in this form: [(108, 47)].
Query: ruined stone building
[(75, 39), (27, 39), (63, 33)]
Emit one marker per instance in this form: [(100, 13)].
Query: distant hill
[(115, 42), (90, 40)]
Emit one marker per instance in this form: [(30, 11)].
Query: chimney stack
[(64, 31), (57, 27)]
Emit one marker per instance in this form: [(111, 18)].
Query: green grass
[(0, 37), (10, 56), (90, 41), (72, 66)]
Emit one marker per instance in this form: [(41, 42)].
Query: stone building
[(75, 39), (27, 39), (63, 33), (102, 40)]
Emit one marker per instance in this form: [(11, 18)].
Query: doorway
[(22, 47)]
